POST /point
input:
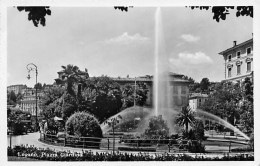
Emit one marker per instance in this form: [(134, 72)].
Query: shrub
[(82, 124), (251, 141), (199, 130), (157, 127)]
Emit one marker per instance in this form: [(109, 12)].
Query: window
[(238, 69), (229, 72), (175, 100), (175, 89), (238, 54), (248, 50), (183, 100), (229, 58), (248, 66), (183, 90)]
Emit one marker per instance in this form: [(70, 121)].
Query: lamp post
[(135, 92), (30, 67)]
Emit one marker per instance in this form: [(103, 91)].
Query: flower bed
[(51, 155)]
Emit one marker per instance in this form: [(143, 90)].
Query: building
[(178, 85), (196, 100), (238, 61), (16, 88), (28, 103)]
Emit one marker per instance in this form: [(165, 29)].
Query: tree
[(157, 127), (102, 97), (247, 116), (204, 84), (19, 97), (247, 107), (248, 89), (195, 87), (73, 79), (51, 102), (221, 12), (11, 98), (224, 101), (37, 14), (198, 130), (185, 118), (38, 86), (15, 120), (129, 94)]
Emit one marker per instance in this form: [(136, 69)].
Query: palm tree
[(73, 79), (185, 117), (71, 75)]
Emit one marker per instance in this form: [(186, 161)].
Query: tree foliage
[(185, 118), (51, 102), (82, 124), (234, 102), (36, 14), (157, 127), (224, 100), (15, 119), (38, 86), (204, 84), (11, 98), (221, 12), (129, 94), (102, 97)]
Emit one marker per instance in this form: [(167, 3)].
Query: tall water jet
[(161, 87)]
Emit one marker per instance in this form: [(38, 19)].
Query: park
[(85, 118)]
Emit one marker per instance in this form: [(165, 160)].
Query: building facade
[(179, 88), (16, 88), (239, 61), (196, 100), (28, 103)]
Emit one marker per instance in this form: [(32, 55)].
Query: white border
[(136, 3)]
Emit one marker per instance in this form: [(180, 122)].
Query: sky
[(115, 43)]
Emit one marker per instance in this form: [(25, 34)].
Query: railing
[(107, 143), (133, 144)]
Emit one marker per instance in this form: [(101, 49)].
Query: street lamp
[(30, 67)]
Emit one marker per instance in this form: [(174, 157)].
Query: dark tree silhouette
[(37, 14), (122, 8), (204, 84), (221, 12)]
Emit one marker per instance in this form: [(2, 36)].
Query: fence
[(131, 144)]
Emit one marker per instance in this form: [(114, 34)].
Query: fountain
[(204, 114), (162, 99), (161, 80)]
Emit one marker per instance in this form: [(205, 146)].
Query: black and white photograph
[(128, 83)]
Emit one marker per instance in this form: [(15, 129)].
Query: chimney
[(235, 43)]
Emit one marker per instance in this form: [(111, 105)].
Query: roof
[(173, 77), (198, 95), (236, 46)]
